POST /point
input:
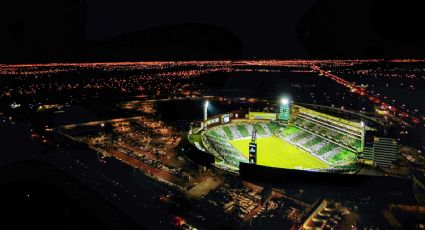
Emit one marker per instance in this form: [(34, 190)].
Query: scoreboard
[(225, 118), (253, 153), (284, 112)]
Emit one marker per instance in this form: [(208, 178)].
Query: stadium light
[(206, 110), (284, 101)]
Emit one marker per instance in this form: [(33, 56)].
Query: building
[(382, 151)]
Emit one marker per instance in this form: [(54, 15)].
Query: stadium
[(295, 137)]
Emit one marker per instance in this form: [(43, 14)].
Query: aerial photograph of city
[(137, 115)]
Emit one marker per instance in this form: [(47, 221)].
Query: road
[(374, 98)]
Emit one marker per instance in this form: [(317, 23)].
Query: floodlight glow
[(284, 101), (206, 104)]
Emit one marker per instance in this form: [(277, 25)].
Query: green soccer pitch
[(275, 152)]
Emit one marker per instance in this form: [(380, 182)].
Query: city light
[(310, 131)]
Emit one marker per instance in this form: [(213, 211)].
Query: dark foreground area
[(38, 195)]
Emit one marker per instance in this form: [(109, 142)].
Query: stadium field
[(275, 152)]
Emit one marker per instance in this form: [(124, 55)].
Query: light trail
[(362, 92)]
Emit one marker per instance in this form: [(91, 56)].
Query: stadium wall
[(196, 155), (279, 175), (200, 157)]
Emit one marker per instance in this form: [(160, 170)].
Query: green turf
[(275, 152)]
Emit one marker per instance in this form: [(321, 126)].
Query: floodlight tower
[(206, 110)]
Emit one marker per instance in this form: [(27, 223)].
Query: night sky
[(264, 30), (96, 30)]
